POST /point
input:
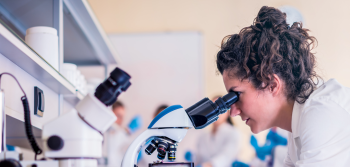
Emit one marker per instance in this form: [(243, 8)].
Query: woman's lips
[(246, 122)]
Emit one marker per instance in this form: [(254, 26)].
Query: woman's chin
[(254, 129)]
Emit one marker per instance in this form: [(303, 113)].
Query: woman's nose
[(234, 110)]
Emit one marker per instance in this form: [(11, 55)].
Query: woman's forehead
[(232, 82)]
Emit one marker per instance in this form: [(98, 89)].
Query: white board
[(166, 68)]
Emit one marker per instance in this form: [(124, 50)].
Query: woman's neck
[(284, 118)]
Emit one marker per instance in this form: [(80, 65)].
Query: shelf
[(84, 40), (22, 55), (18, 137), (21, 15), (79, 16), (74, 99)]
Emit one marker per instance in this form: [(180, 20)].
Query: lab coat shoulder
[(288, 162), (231, 131), (220, 149), (229, 148), (332, 90), (323, 139), (225, 131)]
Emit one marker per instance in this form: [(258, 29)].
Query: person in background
[(220, 146), (160, 109), (265, 153), (117, 137)]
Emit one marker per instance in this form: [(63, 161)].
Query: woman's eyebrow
[(233, 87)]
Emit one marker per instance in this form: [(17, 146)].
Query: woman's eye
[(238, 93)]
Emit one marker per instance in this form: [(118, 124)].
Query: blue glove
[(239, 164), (10, 148), (276, 139), (188, 156), (254, 142), (261, 152), (135, 124)]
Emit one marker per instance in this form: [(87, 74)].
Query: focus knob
[(55, 143)]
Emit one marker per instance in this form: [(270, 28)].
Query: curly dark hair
[(268, 47)]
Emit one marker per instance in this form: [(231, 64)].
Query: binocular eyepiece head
[(206, 112), (109, 90)]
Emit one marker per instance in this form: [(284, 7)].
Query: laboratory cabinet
[(81, 40)]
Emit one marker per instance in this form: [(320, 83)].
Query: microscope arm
[(130, 157)]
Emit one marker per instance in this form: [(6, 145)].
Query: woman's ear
[(276, 85)]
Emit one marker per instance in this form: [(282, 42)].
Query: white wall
[(166, 68)]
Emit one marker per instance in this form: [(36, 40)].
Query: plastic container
[(69, 71), (80, 82), (44, 41)]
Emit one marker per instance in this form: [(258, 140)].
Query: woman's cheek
[(234, 111)]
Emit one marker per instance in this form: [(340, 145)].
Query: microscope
[(170, 126), (75, 138)]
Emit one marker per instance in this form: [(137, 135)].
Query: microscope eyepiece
[(108, 91), (230, 99), (206, 112)]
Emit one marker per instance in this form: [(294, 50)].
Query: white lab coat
[(116, 142), (280, 153), (321, 129), (220, 149)]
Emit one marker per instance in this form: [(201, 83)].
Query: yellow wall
[(327, 20)]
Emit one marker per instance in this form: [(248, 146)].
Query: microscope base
[(62, 163), (170, 164), (78, 163), (39, 163)]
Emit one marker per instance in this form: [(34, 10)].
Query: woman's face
[(258, 108)]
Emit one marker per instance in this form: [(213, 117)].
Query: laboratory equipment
[(44, 41), (75, 138), (170, 126), (39, 102)]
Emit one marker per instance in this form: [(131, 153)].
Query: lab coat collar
[(297, 108), (115, 128)]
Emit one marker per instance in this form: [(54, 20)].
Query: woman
[(271, 66), (218, 148)]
